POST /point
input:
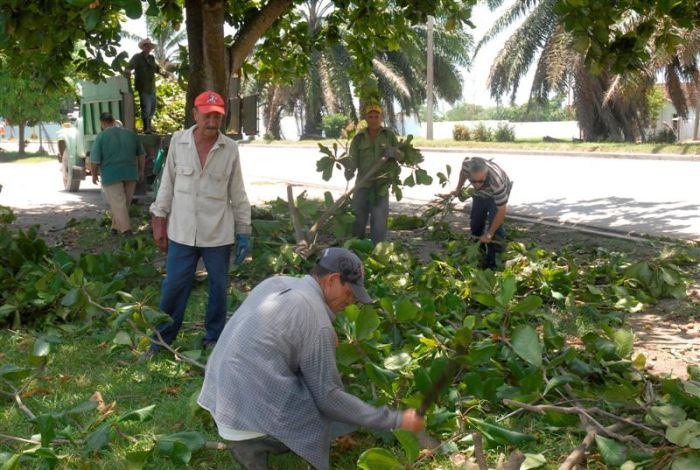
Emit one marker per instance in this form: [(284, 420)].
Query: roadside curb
[(549, 153)]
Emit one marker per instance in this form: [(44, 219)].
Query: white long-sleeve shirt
[(207, 206)]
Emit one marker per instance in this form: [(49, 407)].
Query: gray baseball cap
[(349, 266)]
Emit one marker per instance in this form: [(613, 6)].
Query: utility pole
[(429, 104)]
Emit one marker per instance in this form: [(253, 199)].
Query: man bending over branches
[(272, 384), (491, 191)]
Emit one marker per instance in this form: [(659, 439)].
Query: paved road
[(651, 197), (654, 197)]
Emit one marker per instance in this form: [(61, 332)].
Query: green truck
[(113, 95)]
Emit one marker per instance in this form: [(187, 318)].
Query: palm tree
[(542, 40), (398, 75)]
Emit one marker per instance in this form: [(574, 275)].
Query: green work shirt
[(145, 69), (116, 150), (364, 153)]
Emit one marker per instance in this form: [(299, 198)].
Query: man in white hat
[(145, 68)]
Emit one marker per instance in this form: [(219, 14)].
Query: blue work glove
[(243, 246)]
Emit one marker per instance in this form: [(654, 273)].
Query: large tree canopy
[(41, 37)]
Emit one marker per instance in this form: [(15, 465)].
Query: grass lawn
[(38, 157), (533, 145)]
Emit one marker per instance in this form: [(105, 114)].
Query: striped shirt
[(273, 372), (497, 184)]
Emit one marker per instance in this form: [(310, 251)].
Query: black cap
[(348, 265)]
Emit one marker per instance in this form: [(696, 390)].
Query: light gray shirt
[(205, 206), (273, 371)]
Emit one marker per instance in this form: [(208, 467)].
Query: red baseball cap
[(210, 102)]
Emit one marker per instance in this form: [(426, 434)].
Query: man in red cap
[(201, 210)]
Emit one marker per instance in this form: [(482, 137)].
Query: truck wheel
[(71, 181)]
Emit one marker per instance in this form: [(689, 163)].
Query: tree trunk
[(195, 47), (696, 128), (21, 126), (253, 30), (312, 99)]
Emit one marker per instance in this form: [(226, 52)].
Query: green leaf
[(406, 311), (499, 434), (12, 463), (367, 321), (422, 379), (347, 354), (137, 460), (133, 9), (528, 304), (41, 348), (533, 461), (526, 344), (47, 428), (71, 297), (397, 361), (180, 446), (99, 437), (507, 291), (378, 459), (485, 299), (82, 408), (694, 372), (612, 452), (141, 415), (92, 19), (409, 443), (668, 415), (686, 434), (13, 373), (558, 381), (624, 343), (687, 462), (122, 338)]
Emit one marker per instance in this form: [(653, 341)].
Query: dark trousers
[(252, 454), (484, 210), (180, 267), (377, 212), (148, 108)]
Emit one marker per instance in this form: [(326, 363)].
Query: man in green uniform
[(371, 197), (118, 156), (145, 68)]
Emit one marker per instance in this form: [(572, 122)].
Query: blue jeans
[(180, 267), (377, 212), (484, 209), (148, 108)]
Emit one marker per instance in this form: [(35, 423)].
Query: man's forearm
[(497, 220)]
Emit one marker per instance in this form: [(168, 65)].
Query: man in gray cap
[(272, 384)]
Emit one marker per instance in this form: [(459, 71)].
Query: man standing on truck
[(200, 211), (118, 156), (145, 68)]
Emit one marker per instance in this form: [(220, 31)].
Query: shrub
[(482, 133), (665, 136), (504, 133), (461, 132), (333, 124)]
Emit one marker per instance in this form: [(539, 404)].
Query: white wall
[(685, 127), (565, 130)]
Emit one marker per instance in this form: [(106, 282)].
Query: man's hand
[(95, 178), (142, 176), (412, 421), (486, 238), (243, 247), (160, 232)]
